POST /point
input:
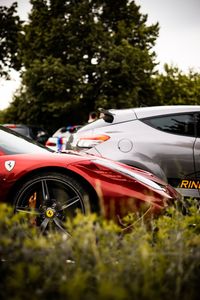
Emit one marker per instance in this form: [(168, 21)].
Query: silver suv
[(164, 140)]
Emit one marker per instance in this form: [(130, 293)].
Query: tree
[(10, 25), (82, 54), (175, 87)]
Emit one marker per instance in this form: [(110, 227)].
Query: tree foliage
[(175, 87), (10, 27), (79, 55)]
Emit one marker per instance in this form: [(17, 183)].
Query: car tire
[(49, 199)]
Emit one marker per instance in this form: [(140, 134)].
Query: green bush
[(102, 260)]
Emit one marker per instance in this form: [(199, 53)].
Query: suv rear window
[(182, 124)]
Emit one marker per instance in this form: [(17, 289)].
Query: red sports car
[(51, 187)]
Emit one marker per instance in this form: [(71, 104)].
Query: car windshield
[(14, 143)]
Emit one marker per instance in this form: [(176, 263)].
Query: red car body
[(29, 170)]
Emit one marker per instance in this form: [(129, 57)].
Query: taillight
[(51, 144), (91, 141), (11, 126)]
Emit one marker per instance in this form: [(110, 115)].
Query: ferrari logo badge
[(50, 213), (9, 165)]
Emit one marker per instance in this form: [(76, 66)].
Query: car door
[(175, 153), (196, 185)]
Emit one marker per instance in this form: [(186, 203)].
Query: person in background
[(92, 117)]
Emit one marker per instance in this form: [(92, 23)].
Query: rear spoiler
[(106, 115)]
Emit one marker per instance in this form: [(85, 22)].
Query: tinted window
[(183, 124), (198, 124)]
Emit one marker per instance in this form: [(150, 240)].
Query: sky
[(178, 43)]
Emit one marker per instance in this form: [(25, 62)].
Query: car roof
[(13, 125), (128, 114), (145, 112)]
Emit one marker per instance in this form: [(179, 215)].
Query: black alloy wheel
[(49, 199)]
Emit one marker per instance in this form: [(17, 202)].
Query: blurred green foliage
[(100, 261), (173, 87), (10, 27), (80, 55)]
